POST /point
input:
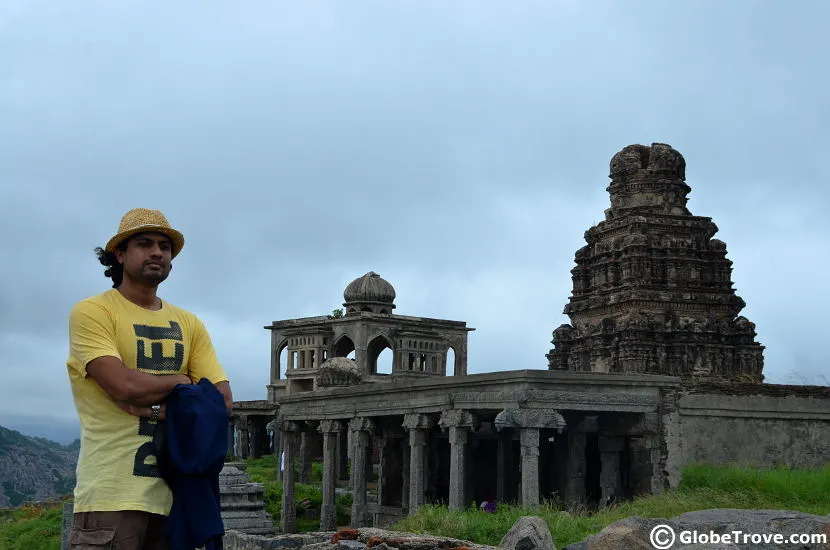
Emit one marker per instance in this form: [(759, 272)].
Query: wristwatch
[(154, 415)]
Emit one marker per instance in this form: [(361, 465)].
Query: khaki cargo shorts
[(122, 530)]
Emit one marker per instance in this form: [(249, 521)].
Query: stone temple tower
[(652, 290)]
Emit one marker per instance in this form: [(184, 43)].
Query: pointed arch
[(451, 361), (377, 350), (344, 347), (282, 359)]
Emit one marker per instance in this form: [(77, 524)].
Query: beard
[(149, 275)]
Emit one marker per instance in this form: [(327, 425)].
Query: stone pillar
[(360, 429), (418, 426), (244, 445), (459, 423), (458, 475), (231, 449), (67, 519), (288, 518), (529, 422), (278, 450), (405, 474), (609, 477), (382, 465), (253, 438), (305, 458), (504, 467), (575, 469), (529, 439), (330, 430)]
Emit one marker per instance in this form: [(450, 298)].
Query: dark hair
[(115, 270)]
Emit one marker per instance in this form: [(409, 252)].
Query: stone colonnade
[(407, 460)]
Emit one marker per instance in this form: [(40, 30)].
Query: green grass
[(37, 527), (309, 497), (701, 488), (31, 527)]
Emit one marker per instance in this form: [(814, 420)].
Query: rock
[(528, 533), (631, 533), (635, 532), (235, 540)]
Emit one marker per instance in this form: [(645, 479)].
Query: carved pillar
[(330, 430), (230, 438), (529, 439), (360, 429), (504, 467), (288, 517), (253, 438), (609, 477), (382, 466), (459, 423), (305, 458), (406, 455), (575, 468), (278, 448), (529, 422), (418, 426), (243, 442)]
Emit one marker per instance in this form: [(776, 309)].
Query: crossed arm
[(136, 391)]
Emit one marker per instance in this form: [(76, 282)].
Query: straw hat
[(143, 220)]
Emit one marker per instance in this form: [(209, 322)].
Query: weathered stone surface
[(652, 290), (242, 502), (528, 533), (634, 532), (377, 539), (234, 540), (529, 418)]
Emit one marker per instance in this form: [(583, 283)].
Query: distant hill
[(34, 469)]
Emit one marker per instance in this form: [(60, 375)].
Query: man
[(128, 350)]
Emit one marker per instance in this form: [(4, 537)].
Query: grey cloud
[(459, 149)]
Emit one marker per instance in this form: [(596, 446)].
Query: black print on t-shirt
[(157, 363)]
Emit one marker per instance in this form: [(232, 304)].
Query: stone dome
[(369, 290), (659, 159), (338, 371)]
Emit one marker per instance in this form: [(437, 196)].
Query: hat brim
[(175, 237)]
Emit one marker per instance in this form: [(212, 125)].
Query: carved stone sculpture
[(652, 290)]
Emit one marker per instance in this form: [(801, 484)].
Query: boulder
[(635, 532), (528, 533)]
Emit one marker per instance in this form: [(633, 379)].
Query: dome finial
[(371, 293)]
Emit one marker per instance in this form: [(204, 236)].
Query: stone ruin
[(652, 289), (243, 502), (656, 370)]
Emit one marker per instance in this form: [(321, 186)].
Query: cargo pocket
[(91, 539)]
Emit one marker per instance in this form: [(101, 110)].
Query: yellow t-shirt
[(117, 465)]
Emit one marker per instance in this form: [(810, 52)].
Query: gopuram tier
[(652, 289)]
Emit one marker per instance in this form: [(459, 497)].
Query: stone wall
[(759, 425)]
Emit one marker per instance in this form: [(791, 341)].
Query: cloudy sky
[(458, 148)]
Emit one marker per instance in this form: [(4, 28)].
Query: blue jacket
[(190, 458)]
